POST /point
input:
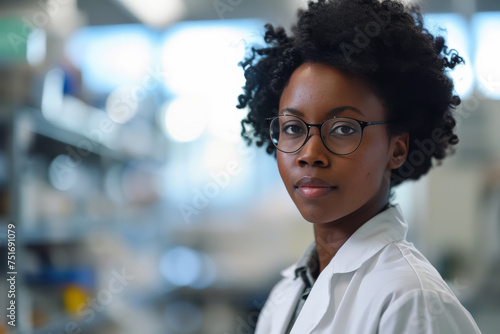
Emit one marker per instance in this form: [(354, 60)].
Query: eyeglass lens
[(340, 135)]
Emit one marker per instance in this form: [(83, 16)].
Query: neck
[(331, 236)]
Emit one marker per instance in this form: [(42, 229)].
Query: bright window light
[(183, 119), (218, 153), (486, 28), (203, 57), (224, 120), (199, 61), (454, 29), (112, 56), (156, 13)]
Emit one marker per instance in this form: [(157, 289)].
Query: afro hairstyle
[(382, 42)]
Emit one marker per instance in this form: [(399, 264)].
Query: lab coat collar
[(308, 266), (384, 228), (381, 230)]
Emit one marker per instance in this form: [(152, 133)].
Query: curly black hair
[(382, 42)]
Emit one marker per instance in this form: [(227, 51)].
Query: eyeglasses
[(340, 135)]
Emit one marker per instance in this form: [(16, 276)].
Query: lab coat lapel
[(316, 305), (284, 309)]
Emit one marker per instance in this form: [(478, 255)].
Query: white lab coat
[(376, 283)]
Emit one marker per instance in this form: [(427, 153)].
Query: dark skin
[(338, 193)]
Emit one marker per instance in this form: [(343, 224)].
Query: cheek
[(369, 166), (284, 165)]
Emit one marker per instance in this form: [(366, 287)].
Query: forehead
[(315, 89)]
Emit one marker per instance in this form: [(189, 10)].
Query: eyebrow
[(332, 112)]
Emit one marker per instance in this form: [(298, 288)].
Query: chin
[(327, 213), (321, 218)]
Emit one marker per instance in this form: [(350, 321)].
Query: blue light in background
[(183, 119), (181, 266), (184, 266)]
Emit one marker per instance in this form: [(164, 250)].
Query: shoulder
[(400, 267), (426, 311), (412, 295), (397, 271)]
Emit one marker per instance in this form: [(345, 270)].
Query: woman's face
[(324, 186)]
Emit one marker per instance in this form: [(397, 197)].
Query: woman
[(355, 101)]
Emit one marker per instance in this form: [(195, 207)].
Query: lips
[(311, 187)]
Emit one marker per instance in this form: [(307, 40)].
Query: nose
[(313, 153)]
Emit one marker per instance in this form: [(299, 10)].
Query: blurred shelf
[(44, 128), (76, 229), (61, 325), (3, 231), (37, 236), (71, 230)]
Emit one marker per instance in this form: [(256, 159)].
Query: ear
[(399, 150)]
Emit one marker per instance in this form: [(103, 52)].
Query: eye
[(292, 128), (343, 130)]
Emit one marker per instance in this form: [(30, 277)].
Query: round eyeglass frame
[(362, 125)]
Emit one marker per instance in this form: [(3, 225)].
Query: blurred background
[(138, 208)]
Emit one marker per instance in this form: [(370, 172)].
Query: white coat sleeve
[(264, 323), (426, 312)]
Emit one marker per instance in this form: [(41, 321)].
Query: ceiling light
[(155, 13)]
